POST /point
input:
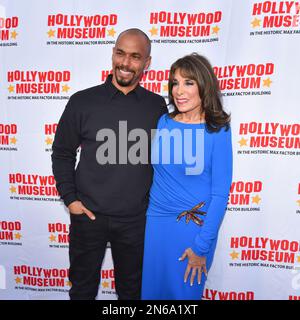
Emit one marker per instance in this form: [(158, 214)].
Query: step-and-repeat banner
[(51, 49)]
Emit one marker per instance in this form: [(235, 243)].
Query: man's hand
[(76, 207)]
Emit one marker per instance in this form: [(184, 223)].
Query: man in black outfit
[(107, 200)]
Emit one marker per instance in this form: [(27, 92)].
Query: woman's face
[(186, 94)]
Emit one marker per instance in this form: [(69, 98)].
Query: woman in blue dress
[(192, 161)]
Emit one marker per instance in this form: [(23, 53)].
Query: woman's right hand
[(196, 265), (76, 207)]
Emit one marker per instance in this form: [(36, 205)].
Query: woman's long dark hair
[(199, 69)]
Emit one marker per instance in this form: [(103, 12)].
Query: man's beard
[(123, 82)]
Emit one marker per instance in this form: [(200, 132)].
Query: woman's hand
[(195, 264)]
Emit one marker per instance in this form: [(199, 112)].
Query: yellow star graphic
[(153, 31), (165, 87), (13, 189), (52, 238), (51, 33), (298, 259), (256, 199), (105, 284), (267, 82), (215, 29), (234, 255), (255, 23), (65, 88), (298, 201), (49, 140), (243, 142), (18, 236), (68, 283), (18, 280), (13, 140), (11, 88), (111, 32), (13, 34)]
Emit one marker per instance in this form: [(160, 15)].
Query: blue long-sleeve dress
[(179, 185)]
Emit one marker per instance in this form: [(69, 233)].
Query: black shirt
[(118, 189)]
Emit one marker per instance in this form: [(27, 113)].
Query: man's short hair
[(136, 31)]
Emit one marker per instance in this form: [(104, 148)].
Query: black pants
[(88, 240)]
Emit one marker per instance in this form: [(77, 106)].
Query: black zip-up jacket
[(119, 190)]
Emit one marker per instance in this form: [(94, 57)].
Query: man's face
[(129, 60)]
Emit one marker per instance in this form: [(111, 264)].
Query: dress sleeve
[(221, 182)]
